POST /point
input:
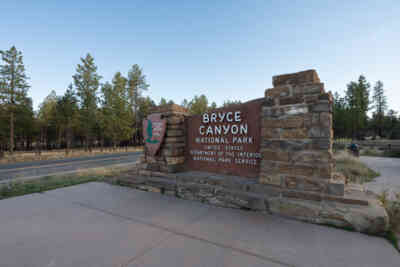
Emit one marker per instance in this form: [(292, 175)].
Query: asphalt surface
[(26, 170), (98, 224), (389, 180)]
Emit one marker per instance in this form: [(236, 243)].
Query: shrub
[(392, 154), (371, 152), (392, 207), (353, 169)]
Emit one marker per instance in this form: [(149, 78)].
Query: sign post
[(154, 131)]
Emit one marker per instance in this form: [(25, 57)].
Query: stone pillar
[(297, 135), (170, 157)]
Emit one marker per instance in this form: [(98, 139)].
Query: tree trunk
[(86, 142), (89, 143), (11, 132), (59, 141), (68, 140), (101, 144)]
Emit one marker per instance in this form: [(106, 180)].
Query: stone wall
[(170, 157), (297, 135), (296, 171)]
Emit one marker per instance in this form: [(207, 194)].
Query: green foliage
[(67, 113), (14, 84), (4, 131), (341, 120), (13, 87), (350, 117), (74, 118), (392, 238), (392, 206), (87, 82), (379, 98), (39, 185), (199, 105), (371, 152), (47, 118), (357, 96), (163, 101), (25, 124), (136, 85), (391, 154), (117, 115), (145, 104), (47, 109), (380, 105), (391, 125), (43, 184)]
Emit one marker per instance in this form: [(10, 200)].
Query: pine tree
[(340, 119), (198, 105), (380, 105), (136, 84), (145, 104), (67, 111), (106, 118), (357, 97), (13, 85), (121, 109), (87, 82), (116, 113), (163, 101), (48, 119)]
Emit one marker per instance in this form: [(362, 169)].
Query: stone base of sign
[(356, 209), (296, 132), (170, 157), (294, 171)]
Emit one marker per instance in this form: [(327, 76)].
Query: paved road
[(97, 225), (36, 169), (389, 179)]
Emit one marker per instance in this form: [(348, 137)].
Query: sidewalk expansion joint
[(178, 233)]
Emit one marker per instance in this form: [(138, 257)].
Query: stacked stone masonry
[(297, 136), (296, 177), (357, 212), (170, 158)]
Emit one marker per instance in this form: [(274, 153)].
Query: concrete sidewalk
[(97, 224)]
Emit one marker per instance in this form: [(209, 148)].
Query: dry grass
[(392, 207), (18, 188), (26, 156), (379, 153), (353, 169), (106, 172), (373, 152)]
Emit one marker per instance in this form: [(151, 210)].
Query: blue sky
[(224, 49)]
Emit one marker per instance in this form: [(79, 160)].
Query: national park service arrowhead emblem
[(154, 131)]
